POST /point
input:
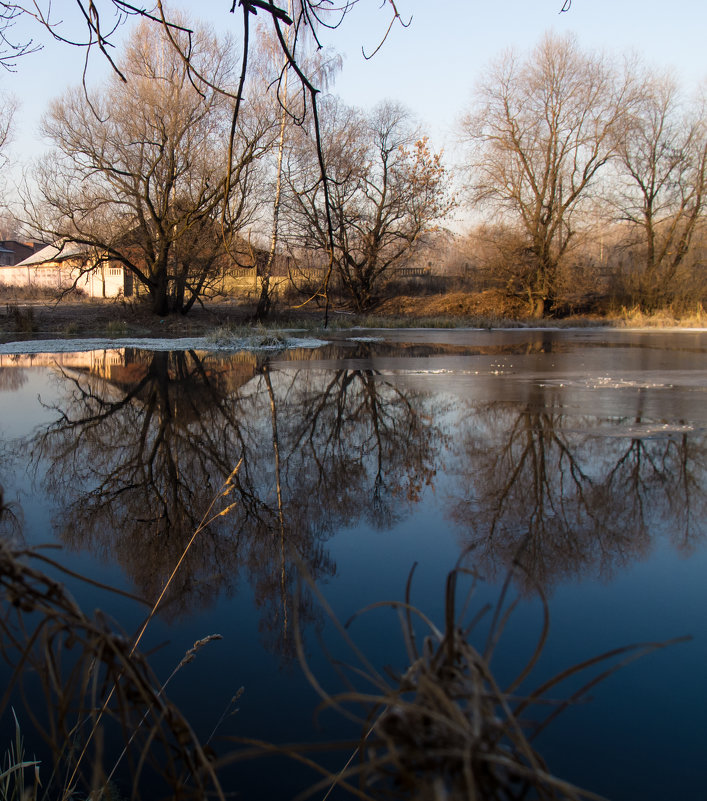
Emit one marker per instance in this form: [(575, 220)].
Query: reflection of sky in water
[(629, 568)]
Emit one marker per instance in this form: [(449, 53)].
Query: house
[(7, 257), (13, 251), (70, 265)]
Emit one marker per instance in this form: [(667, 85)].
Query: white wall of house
[(104, 281)]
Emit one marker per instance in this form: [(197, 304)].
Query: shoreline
[(275, 340), (29, 322)]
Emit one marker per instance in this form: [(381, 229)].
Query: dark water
[(581, 455)]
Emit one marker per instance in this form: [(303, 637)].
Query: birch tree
[(291, 106)]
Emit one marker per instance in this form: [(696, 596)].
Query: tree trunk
[(265, 299), (159, 297)]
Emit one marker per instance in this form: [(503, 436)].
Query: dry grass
[(18, 294), (488, 305), (248, 337), (685, 317), (486, 310), (444, 729), (93, 680), (21, 321)]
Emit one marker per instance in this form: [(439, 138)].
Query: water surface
[(578, 455)]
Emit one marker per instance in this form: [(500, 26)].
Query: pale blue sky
[(432, 65)]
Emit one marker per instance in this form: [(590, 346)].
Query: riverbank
[(95, 318)]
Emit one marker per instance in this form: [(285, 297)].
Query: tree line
[(585, 176), (598, 170)]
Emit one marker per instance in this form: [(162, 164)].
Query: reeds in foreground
[(444, 729), (83, 681)]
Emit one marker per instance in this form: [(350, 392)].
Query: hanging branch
[(396, 16)]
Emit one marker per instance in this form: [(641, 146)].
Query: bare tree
[(140, 171), (102, 18), (543, 128), (8, 107), (662, 162), (387, 188)]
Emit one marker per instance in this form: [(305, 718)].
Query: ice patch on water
[(606, 382), (438, 371), (184, 343), (647, 430)]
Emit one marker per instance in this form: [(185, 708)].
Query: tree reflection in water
[(568, 498), (136, 456), (135, 461), (12, 378)]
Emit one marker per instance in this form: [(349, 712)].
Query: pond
[(568, 466)]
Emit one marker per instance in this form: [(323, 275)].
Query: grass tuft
[(13, 768), (116, 328), (445, 728), (21, 320), (248, 337)]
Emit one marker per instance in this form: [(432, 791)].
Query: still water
[(580, 456)]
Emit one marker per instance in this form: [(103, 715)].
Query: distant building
[(13, 251), (69, 266)]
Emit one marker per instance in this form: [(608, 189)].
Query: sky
[(431, 66)]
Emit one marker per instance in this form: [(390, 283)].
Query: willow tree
[(140, 168), (542, 129)]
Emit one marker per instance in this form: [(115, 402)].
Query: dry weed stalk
[(445, 730), (92, 680), (64, 664), (442, 730)]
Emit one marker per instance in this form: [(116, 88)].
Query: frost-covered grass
[(257, 336)]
